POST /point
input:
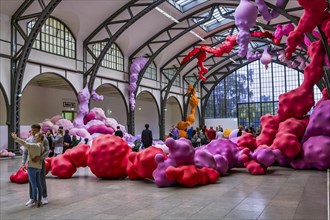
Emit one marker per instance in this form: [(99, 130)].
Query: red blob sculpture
[(79, 155), (247, 140), (141, 164), (108, 157), (21, 176), (190, 175), (62, 166)]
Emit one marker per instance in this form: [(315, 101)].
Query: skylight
[(185, 5), (220, 17), (222, 36)]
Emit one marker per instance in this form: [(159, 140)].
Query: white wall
[(147, 115), (113, 107), (172, 116), (39, 103), (225, 123)]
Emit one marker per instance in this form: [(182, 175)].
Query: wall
[(172, 116), (147, 115), (114, 107), (39, 103)]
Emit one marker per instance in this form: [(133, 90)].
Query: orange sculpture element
[(183, 125)]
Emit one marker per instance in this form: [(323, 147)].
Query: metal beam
[(114, 36), (18, 62)]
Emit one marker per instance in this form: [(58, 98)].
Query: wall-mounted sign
[(69, 104)]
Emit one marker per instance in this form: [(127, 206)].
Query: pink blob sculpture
[(90, 116), (65, 123), (20, 176), (280, 31), (83, 109), (142, 164), (99, 113), (55, 119), (108, 157), (6, 153), (190, 176), (102, 129)]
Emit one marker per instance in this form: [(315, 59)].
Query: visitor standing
[(35, 151), (146, 136), (119, 133), (35, 129)]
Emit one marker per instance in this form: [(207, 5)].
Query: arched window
[(252, 91), (113, 59), (54, 37), (151, 72)]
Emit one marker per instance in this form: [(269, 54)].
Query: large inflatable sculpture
[(193, 101), (137, 65)]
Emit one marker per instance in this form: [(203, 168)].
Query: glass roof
[(185, 5), (220, 17)]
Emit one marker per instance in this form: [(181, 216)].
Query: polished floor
[(281, 194)]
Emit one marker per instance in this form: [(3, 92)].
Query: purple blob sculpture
[(281, 31), (83, 98), (181, 152), (136, 67), (96, 97), (266, 58), (245, 18)]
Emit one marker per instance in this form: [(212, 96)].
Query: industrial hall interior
[(165, 109)]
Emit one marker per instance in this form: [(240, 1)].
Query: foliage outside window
[(54, 37), (151, 72), (113, 59), (70, 115), (252, 91), (169, 73)]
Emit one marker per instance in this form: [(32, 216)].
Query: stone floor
[(281, 194)]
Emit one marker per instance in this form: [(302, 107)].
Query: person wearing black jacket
[(146, 137), (67, 141), (118, 132)]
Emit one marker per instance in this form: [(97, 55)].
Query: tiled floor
[(281, 194)]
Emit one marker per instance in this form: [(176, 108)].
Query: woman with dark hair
[(34, 164), (49, 135)]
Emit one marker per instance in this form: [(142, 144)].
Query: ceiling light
[(234, 61), (167, 15), (193, 33)]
